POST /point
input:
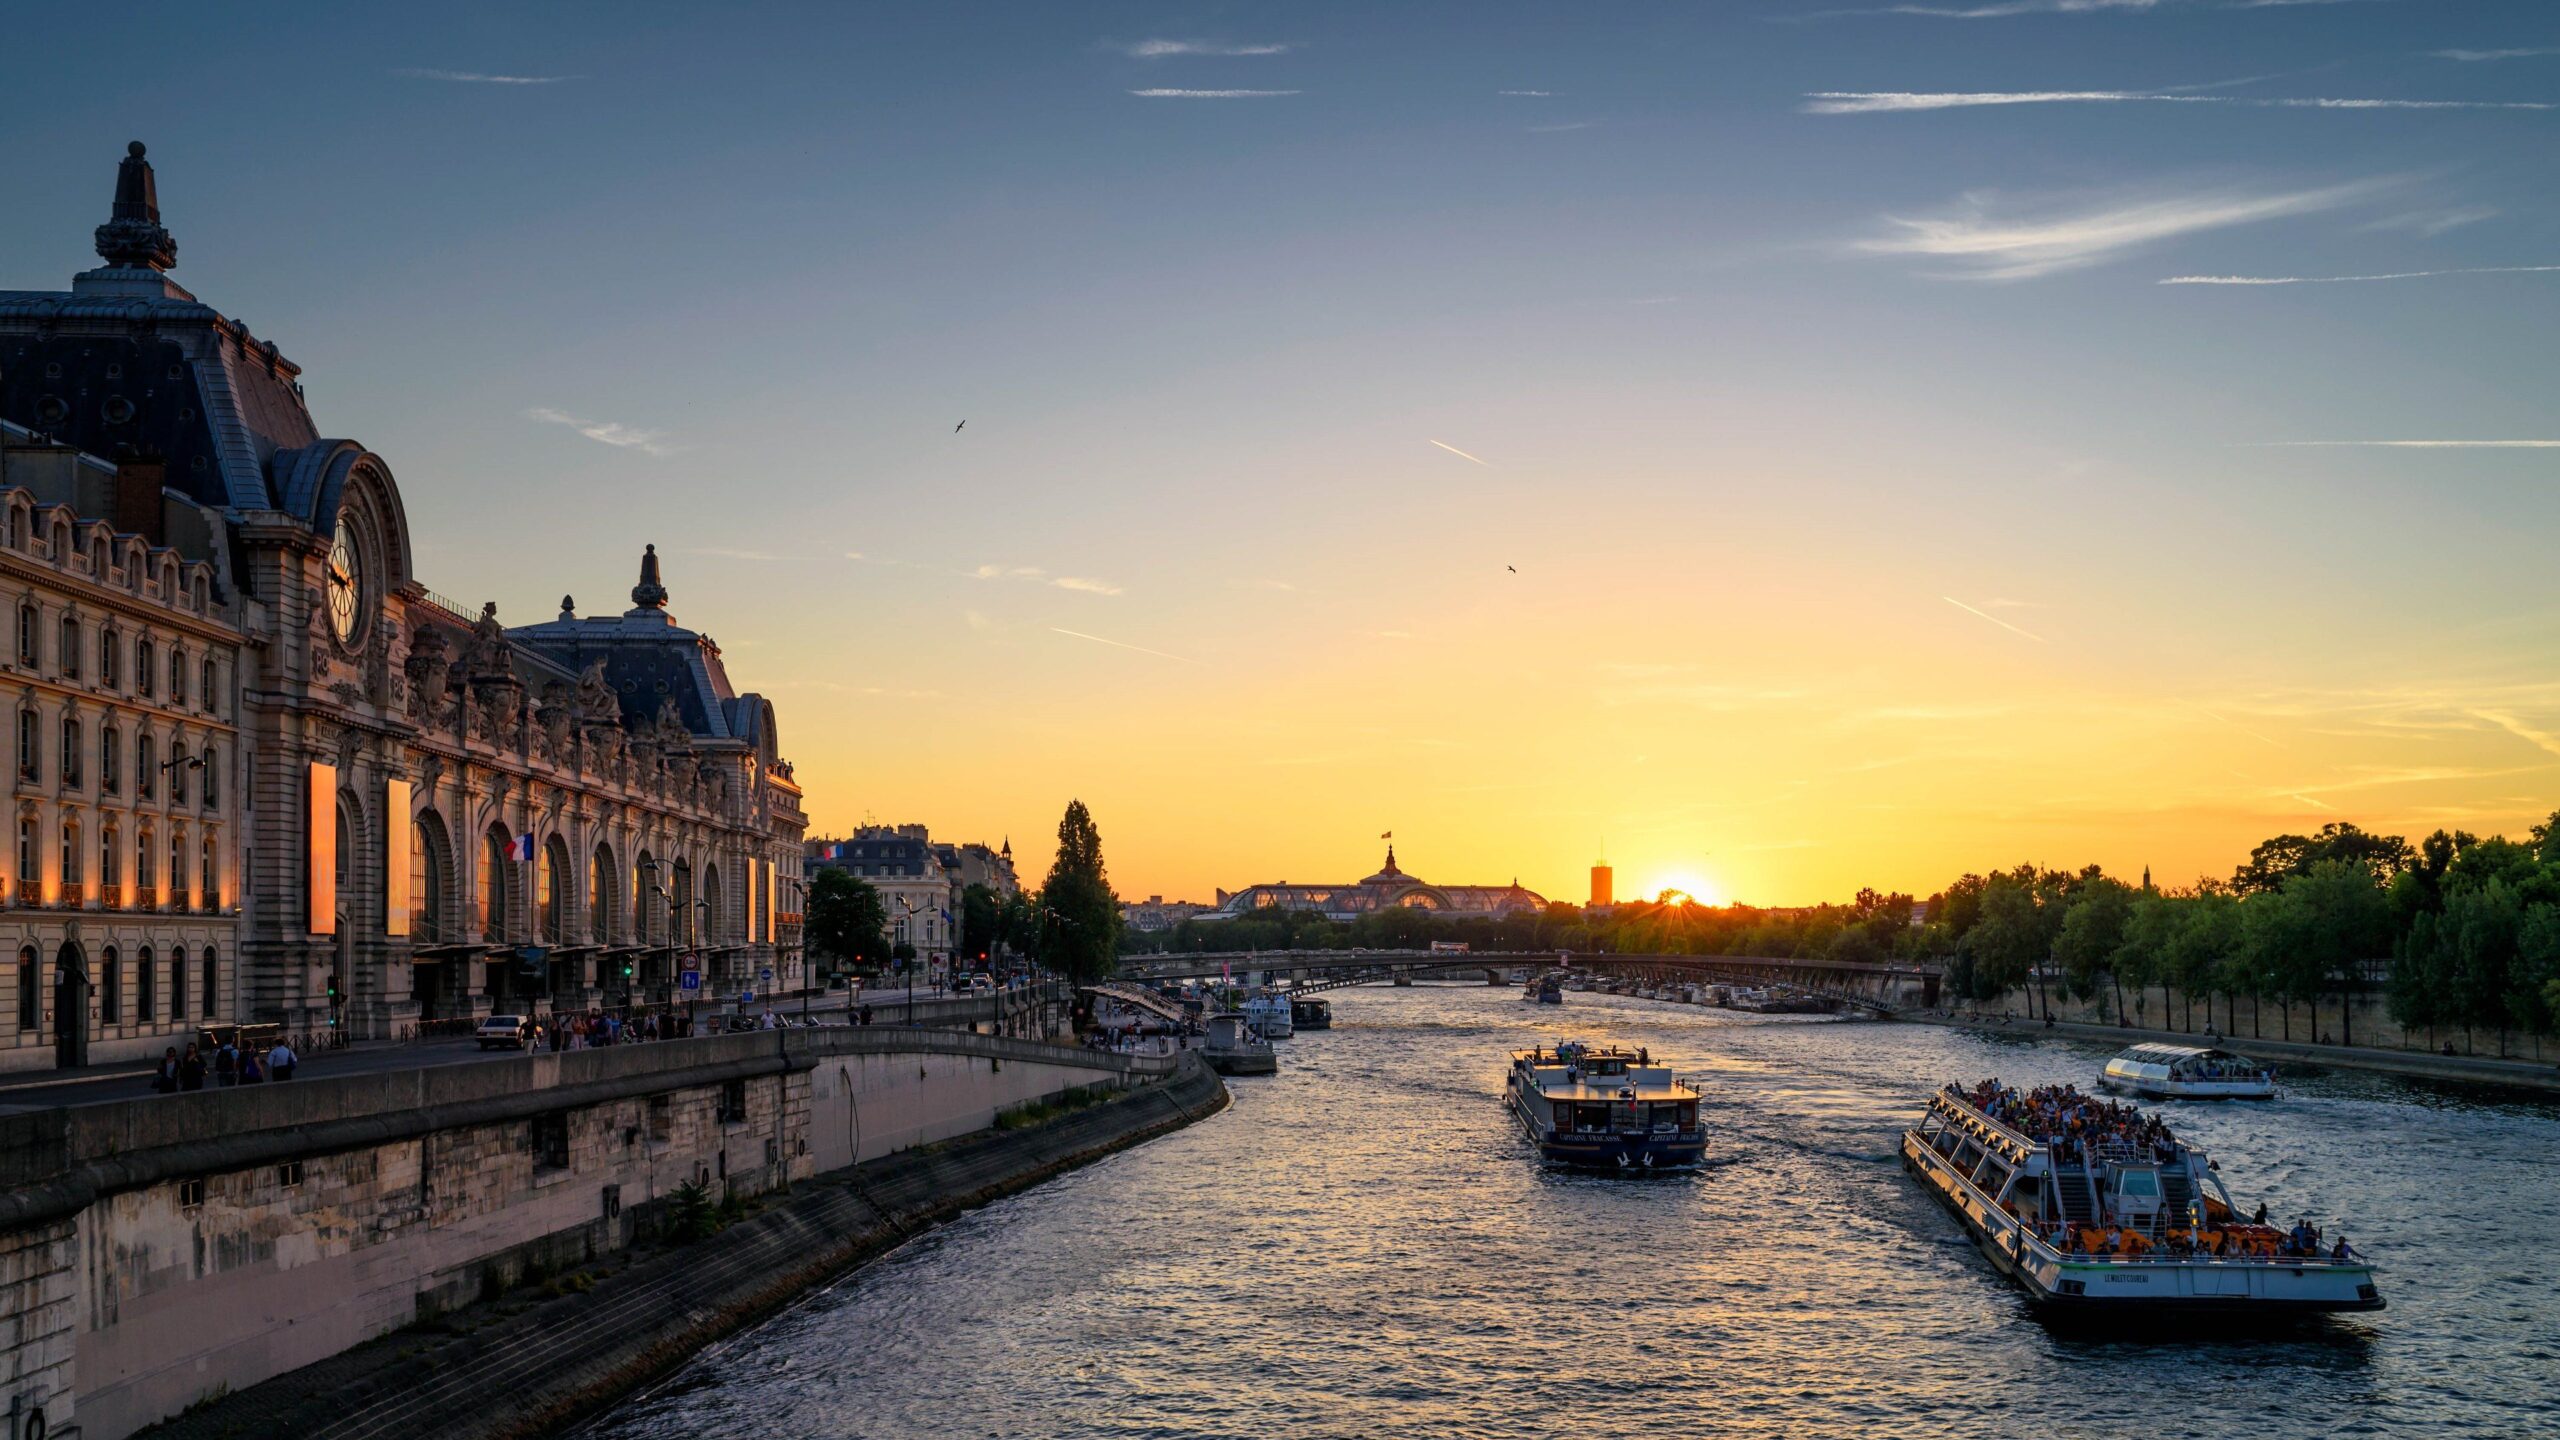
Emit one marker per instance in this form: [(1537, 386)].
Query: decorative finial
[(568, 608), (132, 238), (649, 594)]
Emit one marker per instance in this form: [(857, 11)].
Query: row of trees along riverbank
[(1070, 925), (2460, 934)]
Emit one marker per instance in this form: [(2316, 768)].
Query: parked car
[(505, 1032)]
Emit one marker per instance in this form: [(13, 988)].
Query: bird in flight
[(956, 429), (1514, 569)]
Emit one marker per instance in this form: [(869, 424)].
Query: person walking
[(281, 1061), (165, 1079), (191, 1069), (226, 1064), (250, 1071)]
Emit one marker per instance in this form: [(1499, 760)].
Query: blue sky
[(1770, 332)]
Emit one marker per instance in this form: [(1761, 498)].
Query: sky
[(1783, 447)]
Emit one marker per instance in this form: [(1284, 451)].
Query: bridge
[(1878, 986)]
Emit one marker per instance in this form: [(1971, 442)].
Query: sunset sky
[(1879, 510)]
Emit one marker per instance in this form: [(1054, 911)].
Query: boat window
[(2139, 1182)]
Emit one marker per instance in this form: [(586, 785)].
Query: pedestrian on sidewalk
[(251, 1073), (165, 1079), (281, 1061), (191, 1069), (226, 1065)]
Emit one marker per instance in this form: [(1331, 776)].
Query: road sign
[(689, 980), (746, 997), (768, 972)]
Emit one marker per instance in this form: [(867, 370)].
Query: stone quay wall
[(158, 1252)]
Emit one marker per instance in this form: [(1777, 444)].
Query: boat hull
[(2089, 1288), (1614, 1153), (1242, 1062)]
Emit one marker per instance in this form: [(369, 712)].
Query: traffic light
[(629, 970)]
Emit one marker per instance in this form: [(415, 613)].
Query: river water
[(1363, 1246)]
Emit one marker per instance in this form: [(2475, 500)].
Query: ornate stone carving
[(490, 656), (429, 670), (596, 701)]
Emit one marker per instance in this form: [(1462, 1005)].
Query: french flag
[(520, 848)]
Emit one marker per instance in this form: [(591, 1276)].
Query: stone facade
[(386, 809)]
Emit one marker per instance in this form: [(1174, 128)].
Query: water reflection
[(1363, 1246)]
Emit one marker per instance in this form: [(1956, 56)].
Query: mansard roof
[(650, 659)]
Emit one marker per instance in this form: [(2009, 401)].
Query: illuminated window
[(73, 891), (429, 870), (30, 863), (145, 875)]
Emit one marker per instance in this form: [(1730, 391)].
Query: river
[(1362, 1246)]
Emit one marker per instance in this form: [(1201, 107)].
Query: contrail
[(2408, 444), (2356, 279), (1994, 619), (1463, 455), (2236, 725), (2307, 800), (1122, 645)]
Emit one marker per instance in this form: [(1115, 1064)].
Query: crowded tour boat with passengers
[(2188, 1072), (1606, 1108), (2094, 1208)]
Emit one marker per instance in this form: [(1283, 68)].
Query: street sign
[(768, 972), (746, 997), (689, 980)]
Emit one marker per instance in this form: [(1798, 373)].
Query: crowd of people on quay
[(2076, 1125)]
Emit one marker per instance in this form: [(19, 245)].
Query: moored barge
[(1606, 1108)]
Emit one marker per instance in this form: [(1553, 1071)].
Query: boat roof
[(1647, 1087), (2160, 1054)]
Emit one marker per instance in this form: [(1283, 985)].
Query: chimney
[(139, 510)]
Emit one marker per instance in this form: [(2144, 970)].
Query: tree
[(981, 922), (845, 919), (2207, 937), (2142, 956), (2282, 856), (2093, 927), (1079, 916)]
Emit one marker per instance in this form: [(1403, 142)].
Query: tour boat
[(1309, 1013), (2115, 1226), (2186, 1072), (1271, 1014), (1232, 1046), (1606, 1108)]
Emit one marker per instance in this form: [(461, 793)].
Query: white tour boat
[(2187, 1072), (1271, 1014), (1606, 1108), (2124, 1221)]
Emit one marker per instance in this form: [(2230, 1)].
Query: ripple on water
[(1361, 1246)]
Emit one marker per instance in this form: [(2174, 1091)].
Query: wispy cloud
[(1260, 585), (474, 77), (2428, 224), (1528, 94), (1461, 454), (1994, 619), (1123, 645), (1559, 129), (2003, 9), (1085, 585), (2475, 56), (606, 432), (2408, 444), (2522, 731), (2358, 279), (1877, 102), (1164, 94), (1167, 49), (1996, 247)]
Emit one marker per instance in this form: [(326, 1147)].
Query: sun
[(1695, 884)]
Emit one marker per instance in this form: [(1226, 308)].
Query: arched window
[(177, 982), (212, 982), (27, 633), (110, 865), (211, 890), (600, 898), (111, 987), (30, 1003), (67, 647), (30, 860), (74, 889), (212, 779), (109, 645), (497, 873), (146, 987), (110, 758), (552, 897), (197, 589), (98, 558), (71, 748), (30, 744), (142, 663), (430, 871), (146, 875), (146, 764), (178, 867), (177, 676), (712, 909)]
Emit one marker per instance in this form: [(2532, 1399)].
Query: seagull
[(1514, 569), (957, 428)]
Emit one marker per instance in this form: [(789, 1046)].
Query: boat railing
[(2166, 1256)]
